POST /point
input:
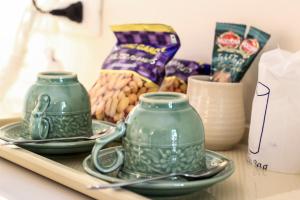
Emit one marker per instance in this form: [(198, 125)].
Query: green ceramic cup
[(56, 106), (161, 135)]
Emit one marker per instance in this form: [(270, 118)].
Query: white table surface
[(247, 183), (17, 183)]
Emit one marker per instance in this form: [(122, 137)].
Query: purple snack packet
[(182, 68), (136, 65), (143, 48), (178, 71)]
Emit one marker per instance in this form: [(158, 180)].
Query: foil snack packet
[(177, 73), (233, 54), (136, 65)]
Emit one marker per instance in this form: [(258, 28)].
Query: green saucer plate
[(166, 187), (15, 132)]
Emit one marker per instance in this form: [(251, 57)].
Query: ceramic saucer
[(163, 187), (15, 132)]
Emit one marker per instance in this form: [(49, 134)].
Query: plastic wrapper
[(233, 53), (177, 73), (135, 66)]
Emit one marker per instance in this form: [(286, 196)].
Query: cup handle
[(39, 125), (119, 132)]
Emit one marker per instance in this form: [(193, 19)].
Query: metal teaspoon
[(194, 176), (68, 139)]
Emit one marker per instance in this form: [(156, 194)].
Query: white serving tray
[(66, 170)]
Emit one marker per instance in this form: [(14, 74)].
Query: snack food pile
[(142, 61)]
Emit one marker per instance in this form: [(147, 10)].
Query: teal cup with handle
[(57, 106), (161, 135)]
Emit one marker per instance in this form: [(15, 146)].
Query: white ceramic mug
[(221, 108)]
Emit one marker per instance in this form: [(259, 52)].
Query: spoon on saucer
[(67, 139), (202, 174)]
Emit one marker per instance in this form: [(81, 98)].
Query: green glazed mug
[(57, 106), (162, 134)]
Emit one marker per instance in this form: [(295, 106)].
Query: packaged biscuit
[(135, 66), (228, 38), (233, 54), (249, 48), (177, 73)]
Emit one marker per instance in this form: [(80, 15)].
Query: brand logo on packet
[(145, 48), (249, 46), (229, 40)]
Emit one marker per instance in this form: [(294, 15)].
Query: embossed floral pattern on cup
[(161, 160)]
